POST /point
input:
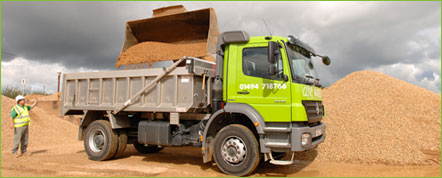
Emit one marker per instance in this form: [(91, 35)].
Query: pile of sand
[(52, 97), (148, 52), (51, 105), (32, 97), (47, 133), (374, 118)]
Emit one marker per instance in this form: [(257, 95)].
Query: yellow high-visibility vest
[(22, 118)]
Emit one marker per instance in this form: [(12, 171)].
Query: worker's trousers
[(20, 137)]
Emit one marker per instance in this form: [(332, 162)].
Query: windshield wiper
[(308, 76), (308, 79)]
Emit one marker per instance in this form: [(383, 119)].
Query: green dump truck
[(261, 98)]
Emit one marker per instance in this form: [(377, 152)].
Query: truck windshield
[(302, 66)]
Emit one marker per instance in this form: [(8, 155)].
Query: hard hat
[(19, 97)]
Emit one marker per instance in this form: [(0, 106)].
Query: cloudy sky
[(401, 39)]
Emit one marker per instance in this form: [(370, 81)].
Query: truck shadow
[(192, 156), (177, 155), (301, 161)]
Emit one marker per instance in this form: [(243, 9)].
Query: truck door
[(269, 95)]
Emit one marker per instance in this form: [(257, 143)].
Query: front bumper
[(314, 140), (281, 137)]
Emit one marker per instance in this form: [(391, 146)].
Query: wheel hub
[(96, 140), (233, 150)]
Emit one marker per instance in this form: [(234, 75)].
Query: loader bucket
[(169, 35)]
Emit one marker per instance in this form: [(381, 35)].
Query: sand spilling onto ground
[(374, 118)]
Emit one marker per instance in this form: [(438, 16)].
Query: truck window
[(255, 64)]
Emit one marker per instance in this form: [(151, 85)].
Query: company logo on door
[(311, 92)]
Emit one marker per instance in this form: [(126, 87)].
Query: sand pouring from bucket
[(170, 34)]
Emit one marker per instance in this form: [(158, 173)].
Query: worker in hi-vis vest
[(20, 120)]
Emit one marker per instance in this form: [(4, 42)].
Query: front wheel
[(236, 150)]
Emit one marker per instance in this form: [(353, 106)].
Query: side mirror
[(273, 52), (272, 69), (326, 60), (273, 56)]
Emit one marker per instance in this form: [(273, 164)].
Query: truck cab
[(278, 97), (271, 81)]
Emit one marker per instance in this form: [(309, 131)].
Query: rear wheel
[(100, 141), (236, 150), (122, 144), (143, 149)]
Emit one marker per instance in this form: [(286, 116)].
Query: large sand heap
[(374, 118), (52, 97), (47, 133)]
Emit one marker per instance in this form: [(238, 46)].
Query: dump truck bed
[(187, 88)]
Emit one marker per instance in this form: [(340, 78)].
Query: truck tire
[(236, 150), (141, 148), (122, 144), (100, 141)]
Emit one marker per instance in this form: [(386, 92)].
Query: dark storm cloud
[(76, 34), (381, 36), (356, 35)]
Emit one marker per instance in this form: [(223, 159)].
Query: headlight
[(305, 139)]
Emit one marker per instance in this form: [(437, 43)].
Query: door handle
[(243, 92)]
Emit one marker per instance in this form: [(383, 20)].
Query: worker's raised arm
[(34, 104), (11, 125)]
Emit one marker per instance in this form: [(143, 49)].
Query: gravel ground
[(374, 118)]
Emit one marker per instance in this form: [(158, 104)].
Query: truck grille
[(314, 110)]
